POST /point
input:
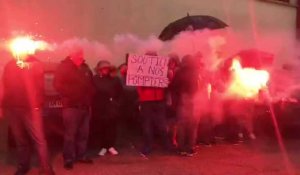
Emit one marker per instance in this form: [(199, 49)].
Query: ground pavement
[(261, 157)]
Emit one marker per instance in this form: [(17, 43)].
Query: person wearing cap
[(22, 105), (106, 106), (73, 81)]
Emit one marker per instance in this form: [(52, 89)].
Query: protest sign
[(147, 71)]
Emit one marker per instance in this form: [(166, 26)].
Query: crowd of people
[(182, 115)]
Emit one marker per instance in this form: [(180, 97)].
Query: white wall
[(102, 19)]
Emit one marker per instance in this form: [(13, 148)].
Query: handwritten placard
[(147, 71)]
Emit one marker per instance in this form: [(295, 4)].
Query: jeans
[(76, 122), (28, 122), (153, 117), (187, 134), (206, 129)]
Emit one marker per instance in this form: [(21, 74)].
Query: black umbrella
[(197, 22)]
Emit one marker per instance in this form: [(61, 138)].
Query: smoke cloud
[(215, 46)]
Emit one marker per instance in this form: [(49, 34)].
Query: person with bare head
[(22, 104), (73, 80), (77, 57), (106, 106)]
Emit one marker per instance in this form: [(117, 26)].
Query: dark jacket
[(23, 87), (129, 95), (185, 82), (74, 84), (108, 95)]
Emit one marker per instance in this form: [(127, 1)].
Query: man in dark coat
[(185, 85), (73, 80), (22, 104)]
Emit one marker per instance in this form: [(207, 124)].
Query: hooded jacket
[(107, 97)]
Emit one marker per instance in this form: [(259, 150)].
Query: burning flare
[(22, 46), (246, 82)]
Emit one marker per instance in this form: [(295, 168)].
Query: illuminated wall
[(102, 19)]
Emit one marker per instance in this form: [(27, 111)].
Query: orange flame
[(209, 90), (246, 82), (23, 46)]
